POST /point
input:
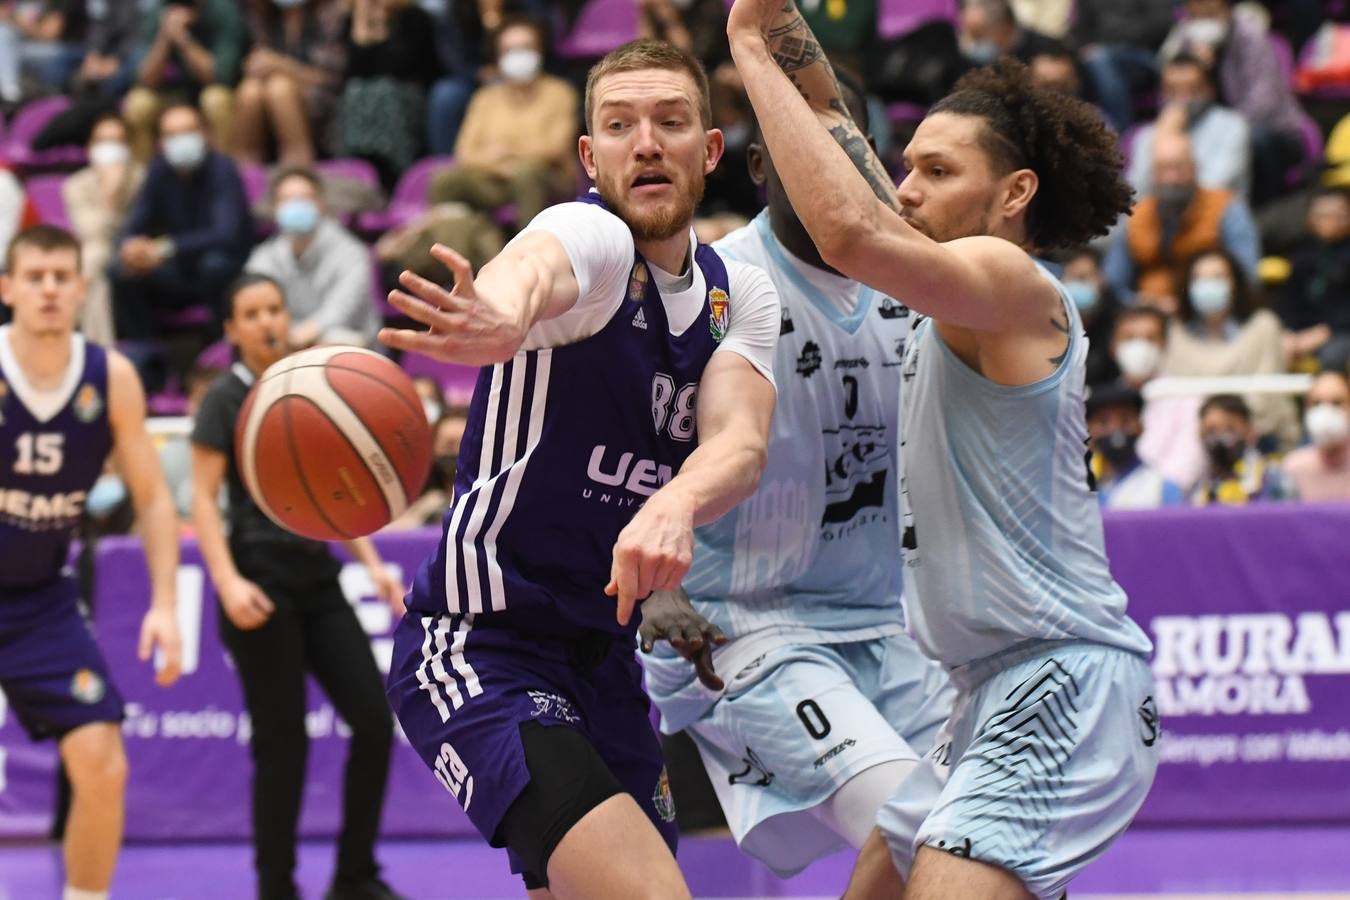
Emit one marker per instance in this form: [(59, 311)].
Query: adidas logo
[(640, 321)]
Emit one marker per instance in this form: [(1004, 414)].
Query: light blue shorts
[(1048, 755), (796, 724)]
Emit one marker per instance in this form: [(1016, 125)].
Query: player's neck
[(792, 235), (669, 254), (43, 358)]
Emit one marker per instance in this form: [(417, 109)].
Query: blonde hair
[(649, 54)]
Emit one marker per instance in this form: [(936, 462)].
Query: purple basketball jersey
[(47, 465), (562, 447)]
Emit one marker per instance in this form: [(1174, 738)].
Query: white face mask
[(1206, 31), (1326, 424), (1138, 357), (520, 65), (185, 151), (103, 154)]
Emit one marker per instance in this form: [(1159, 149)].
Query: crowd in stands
[(329, 143)]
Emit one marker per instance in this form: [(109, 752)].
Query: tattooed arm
[(846, 200)]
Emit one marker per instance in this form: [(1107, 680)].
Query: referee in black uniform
[(282, 613)]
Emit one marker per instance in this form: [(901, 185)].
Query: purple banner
[(1249, 610), (188, 745)]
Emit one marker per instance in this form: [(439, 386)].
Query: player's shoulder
[(749, 283), (744, 244)]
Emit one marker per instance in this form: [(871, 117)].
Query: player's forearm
[(520, 284), (159, 532), (834, 179), (363, 551), (722, 472), (211, 541)]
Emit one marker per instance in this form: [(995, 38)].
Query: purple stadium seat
[(358, 170), (601, 26), (379, 296), (900, 17), (45, 192), (410, 196), (254, 177), (457, 381), (900, 112), (218, 355), (24, 129)]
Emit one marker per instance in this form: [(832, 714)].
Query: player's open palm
[(159, 629), (245, 604), (463, 327), (653, 552)]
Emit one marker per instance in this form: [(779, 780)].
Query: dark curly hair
[(1062, 139)]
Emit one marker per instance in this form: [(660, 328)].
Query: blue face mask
[(1085, 295), (297, 217), (185, 151), (1210, 296), (981, 53)]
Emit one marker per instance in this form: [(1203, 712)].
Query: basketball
[(332, 443)]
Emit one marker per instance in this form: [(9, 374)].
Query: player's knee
[(96, 762)]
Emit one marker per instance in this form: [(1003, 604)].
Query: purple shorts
[(51, 671), (462, 688)]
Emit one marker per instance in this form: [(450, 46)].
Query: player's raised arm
[(845, 199), (484, 320), (138, 464)]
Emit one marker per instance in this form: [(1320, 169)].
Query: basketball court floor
[(1178, 864)]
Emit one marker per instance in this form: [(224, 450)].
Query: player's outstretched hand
[(159, 629), (653, 551), (669, 616), (245, 604), (462, 327)]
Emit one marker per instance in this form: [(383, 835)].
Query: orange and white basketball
[(332, 443)]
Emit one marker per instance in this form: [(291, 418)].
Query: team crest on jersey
[(890, 309), (809, 360), (4, 395), (88, 404), (87, 687), (717, 319), (662, 799), (637, 283)]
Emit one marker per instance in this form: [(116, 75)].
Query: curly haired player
[(1052, 742)]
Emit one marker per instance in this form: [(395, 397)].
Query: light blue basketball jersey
[(1002, 531), (815, 550)]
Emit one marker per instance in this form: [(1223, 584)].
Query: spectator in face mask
[(988, 30), (323, 269), (98, 198), (518, 141), (1219, 136), (1169, 442), (1251, 79), (188, 233), (1320, 471), (1237, 473), (1124, 481), (1219, 331), (1174, 224), (1097, 305)]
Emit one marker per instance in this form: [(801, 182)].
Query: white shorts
[(1049, 753), (796, 724)]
